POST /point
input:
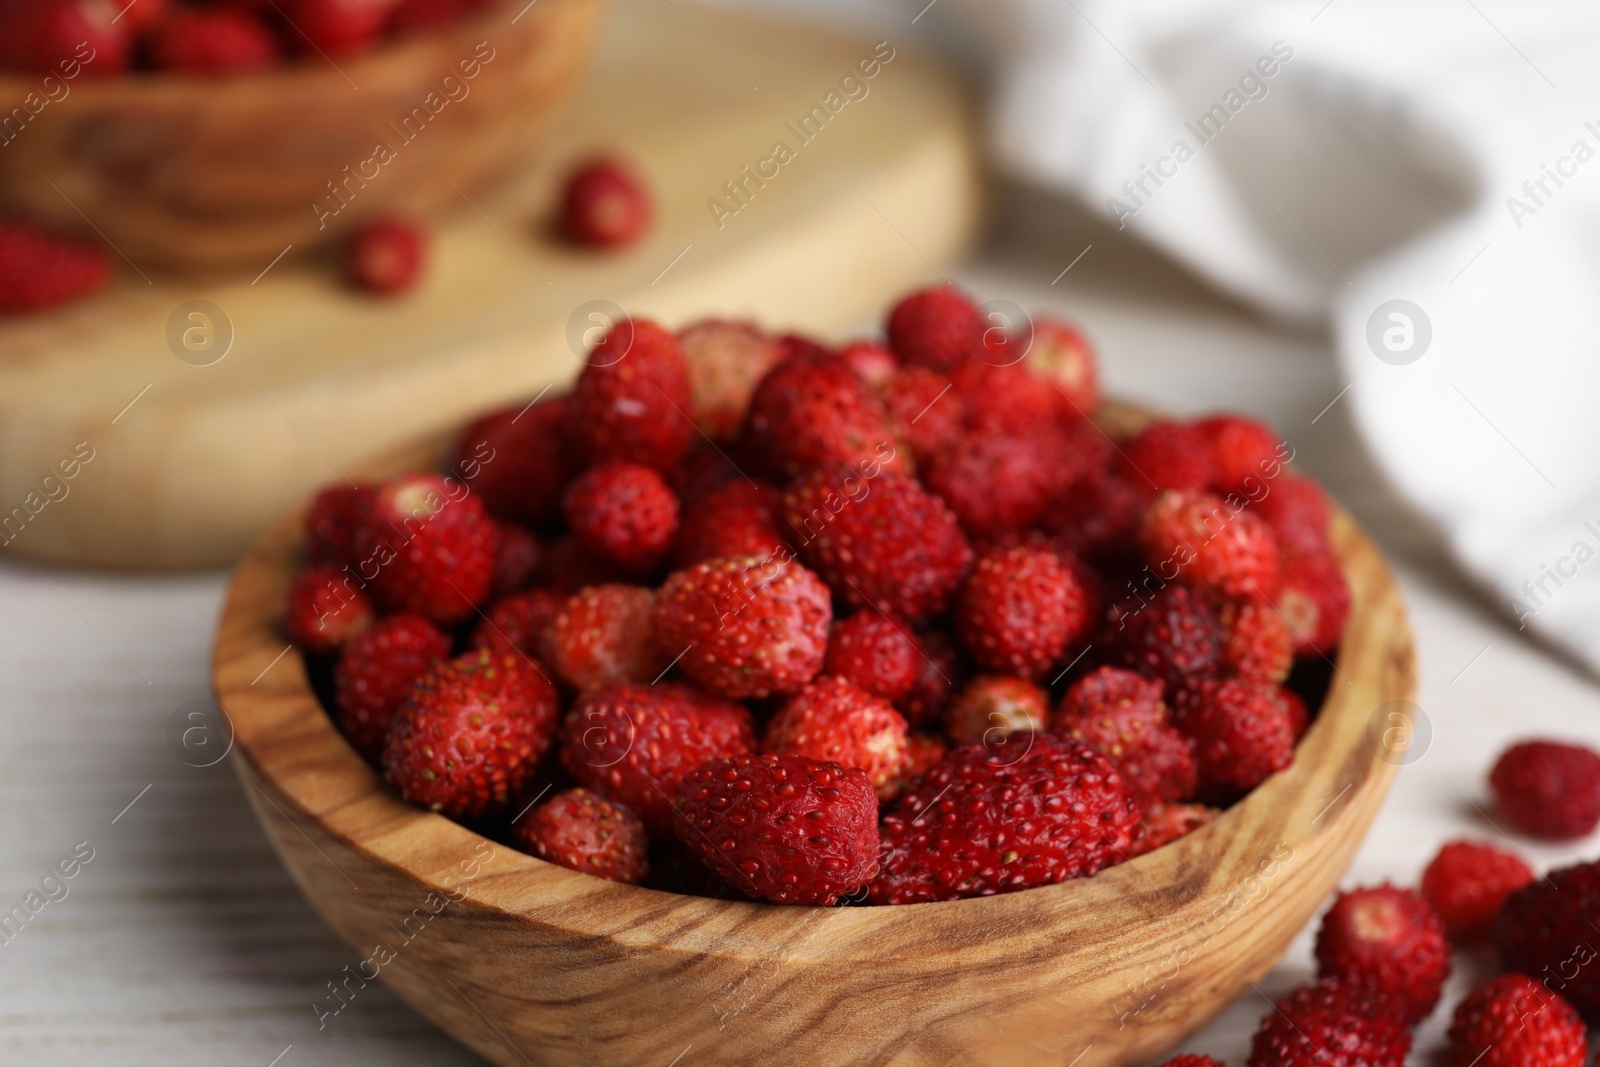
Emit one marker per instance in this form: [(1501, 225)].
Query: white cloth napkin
[(1337, 156)]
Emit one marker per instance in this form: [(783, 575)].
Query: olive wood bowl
[(531, 963)]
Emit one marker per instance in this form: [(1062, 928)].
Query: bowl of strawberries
[(215, 134), (898, 701)]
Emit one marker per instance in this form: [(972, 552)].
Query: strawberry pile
[(892, 622)]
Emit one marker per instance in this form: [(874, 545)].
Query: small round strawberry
[(998, 483), (1165, 823), (832, 719), (1122, 714), (1171, 455), (57, 36), (40, 269), (872, 362), (1467, 883), (1388, 940), (605, 204), (939, 328), (623, 512), (811, 413), (874, 652), (375, 674), (887, 542), (336, 27), (632, 402), (587, 833), (1314, 600), (1211, 545), (924, 409), (471, 734), (1247, 453), (386, 256), (937, 680), (1514, 1021), (1018, 610), (1299, 717), (1002, 817), (433, 547), (992, 706), (517, 623), (1062, 356), (923, 752), (516, 561), (633, 743), (726, 360), (334, 521), (737, 518), (1546, 930), (1241, 731), (1549, 789), (1297, 510), (1256, 641), (518, 460), (325, 611), (782, 826), (1005, 399), (1330, 1024), (604, 634), (1098, 515), (1172, 636), (219, 42)]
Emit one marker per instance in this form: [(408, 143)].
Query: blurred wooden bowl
[(526, 962), (198, 173)]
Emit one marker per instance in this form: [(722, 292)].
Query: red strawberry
[(1018, 610), (885, 542), (517, 623), (737, 518), (1062, 356), (1549, 789), (1467, 883), (62, 37), (375, 674), (633, 743), (221, 41), (1297, 511), (1189, 1059), (874, 652), (1165, 823), (433, 548), (810, 413), (1256, 642), (725, 360), (831, 719), (605, 204), (588, 833), (1000, 483), (1388, 940), (937, 677), (625, 513), (1242, 733), (1172, 636), (518, 460), (1514, 1021), (416, 18), (471, 734), (1170, 455), (939, 328), (1330, 1024), (40, 269), (602, 635), (516, 561), (1248, 455), (336, 27), (386, 256), (632, 402), (326, 611), (785, 827), (1314, 600), (993, 706), (1098, 514), (999, 818), (1005, 399), (334, 521), (1123, 715), (1546, 931), (1210, 544), (924, 410), (872, 362)]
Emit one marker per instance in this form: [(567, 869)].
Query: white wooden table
[(183, 942)]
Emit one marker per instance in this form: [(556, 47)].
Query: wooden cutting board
[(116, 452)]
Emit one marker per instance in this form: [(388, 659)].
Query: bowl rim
[(283, 739)]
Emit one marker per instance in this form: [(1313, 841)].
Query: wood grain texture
[(199, 173), (535, 963), (319, 379)]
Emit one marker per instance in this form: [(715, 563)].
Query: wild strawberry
[(633, 743), (1005, 399), (603, 635), (221, 41), (1314, 600), (924, 410), (1256, 642), (738, 518), (632, 403), (55, 36), (810, 413), (1123, 715), (872, 362), (40, 269), (999, 818), (1514, 1021), (432, 548), (1000, 483), (1242, 734), (832, 719), (992, 706), (923, 751), (1467, 883), (799, 346), (386, 256), (725, 360), (1330, 1024), (1299, 717), (336, 27), (1062, 356), (605, 204), (874, 652), (516, 561), (1389, 940), (748, 627), (885, 542), (1213, 546), (1247, 454), (375, 674), (1545, 930), (1170, 455), (938, 676), (517, 623), (1097, 515), (623, 512), (1549, 789), (326, 611), (471, 734), (334, 520), (518, 460), (1297, 511), (1165, 823), (1018, 610), (939, 328), (784, 827), (588, 833), (1172, 636)]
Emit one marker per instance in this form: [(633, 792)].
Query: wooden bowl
[(532, 963), (189, 173)]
